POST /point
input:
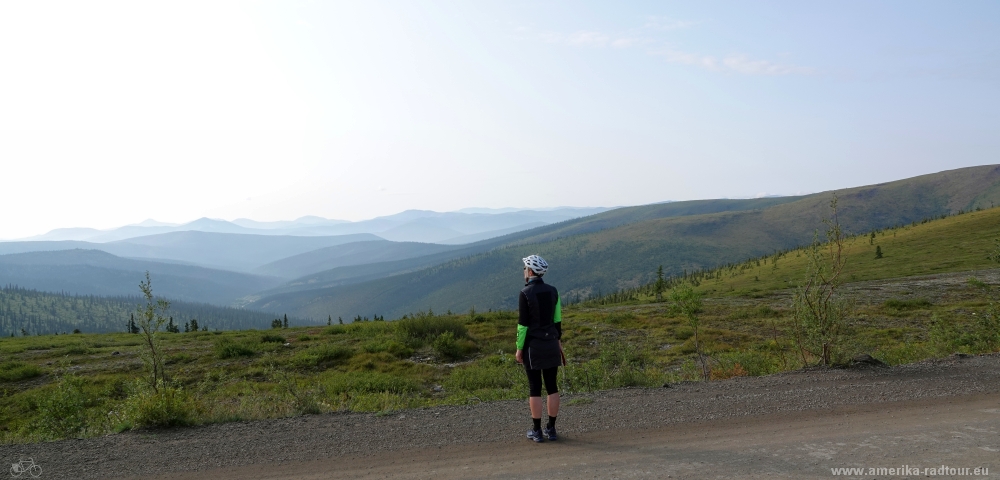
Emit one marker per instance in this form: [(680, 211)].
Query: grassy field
[(59, 386)]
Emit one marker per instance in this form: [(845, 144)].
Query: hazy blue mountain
[(229, 251), (411, 225), (476, 237), (356, 253), (93, 272), (306, 221), (623, 247)]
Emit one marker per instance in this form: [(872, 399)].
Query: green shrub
[(75, 350), (179, 358), (500, 372), (227, 348), (683, 333), (62, 409), (270, 338), (16, 371), (425, 329), (753, 362), (318, 355), (912, 304), (447, 346), (977, 283), (391, 346), (760, 311), (335, 330), (369, 382), (618, 317), (169, 406)]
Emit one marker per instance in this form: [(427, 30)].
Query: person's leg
[(552, 387), (535, 396)]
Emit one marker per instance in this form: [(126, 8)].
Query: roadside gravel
[(308, 438)]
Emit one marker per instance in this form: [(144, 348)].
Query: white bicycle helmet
[(536, 264)]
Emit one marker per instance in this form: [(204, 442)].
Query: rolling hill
[(93, 272), (227, 251), (622, 248), (355, 253), (24, 311)]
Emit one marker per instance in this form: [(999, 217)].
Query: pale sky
[(115, 112)]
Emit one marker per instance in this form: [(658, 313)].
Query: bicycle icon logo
[(25, 466)]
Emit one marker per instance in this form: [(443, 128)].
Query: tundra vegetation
[(750, 318)]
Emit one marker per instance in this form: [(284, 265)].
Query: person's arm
[(557, 318), (522, 322)]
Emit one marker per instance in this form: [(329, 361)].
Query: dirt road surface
[(792, 425)]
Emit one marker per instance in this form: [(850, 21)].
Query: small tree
[(187, 327), (151, 319), (340, 320), (285, 325), (686, 301), (660, 284), (878, 252), (329, 320), (194, 325), (276, 323), (819, 315)]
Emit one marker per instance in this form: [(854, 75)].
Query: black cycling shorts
[(535, 381)]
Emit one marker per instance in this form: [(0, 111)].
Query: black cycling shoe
[(550, 433), (535, 436)]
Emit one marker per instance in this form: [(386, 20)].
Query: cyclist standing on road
[(539, 329)]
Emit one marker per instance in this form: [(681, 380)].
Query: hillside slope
[(625, 254), (24, 311), (93, 272), (355, 253)]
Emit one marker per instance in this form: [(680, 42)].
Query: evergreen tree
[(286, 321), (878, 252), (660, 284), (340, 320), (187, 327), (194, 325), (329, 320)]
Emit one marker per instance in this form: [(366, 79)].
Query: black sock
[(538, 423), (552, 422)]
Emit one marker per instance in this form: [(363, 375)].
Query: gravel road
[(794, 425)]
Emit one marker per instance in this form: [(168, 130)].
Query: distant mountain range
[(409, 226)]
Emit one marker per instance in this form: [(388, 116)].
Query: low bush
[(749, 362), (169, 406), (499, 372), (450, 348), (390, 346), (425, 329), (15, 371), (322, 354), (270, 338), (227, 348), (369, 382), (911, 304), (62, 409)]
